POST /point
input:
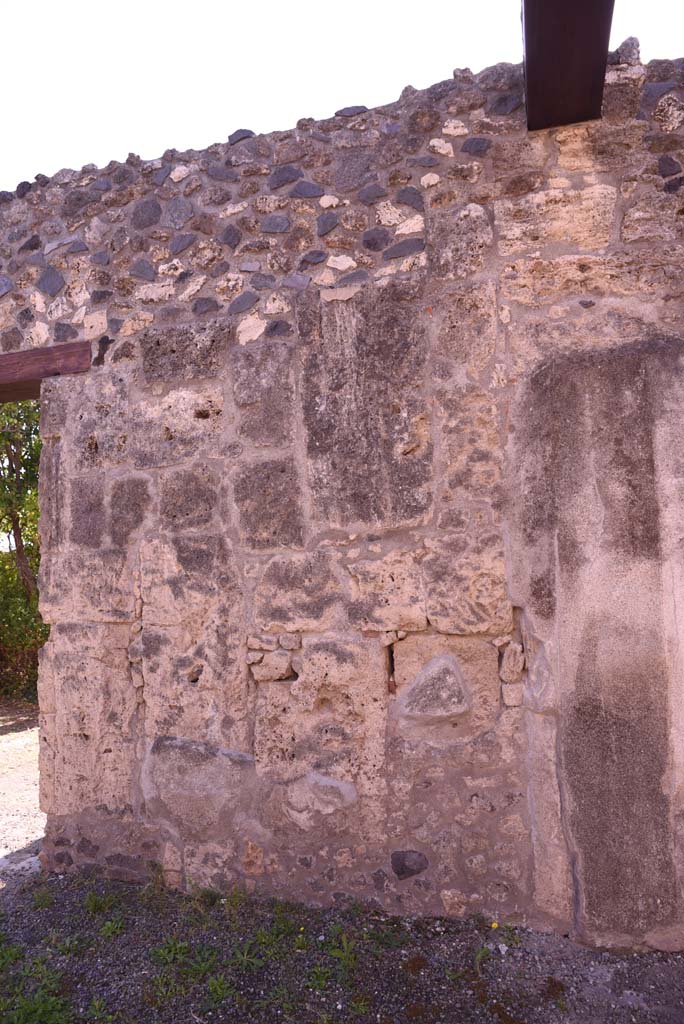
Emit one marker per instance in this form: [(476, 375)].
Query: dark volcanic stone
[(219, 172), (50, 282), (313, 256), (100, 295), (425, 160), (160, 175), (371, 193), (359, 276), (231, 236), (23, 189), (407, 247), (406, 863), (179, 211), (297, 281), (506, 104), (102, 184), (351, 111), (6, 285), (6, 197), (243, 302), (205, 305), (307, 190), (146, 213), (284, 175), (376, 239), (100, 259), (278, 329), (411, 196), (268, 503), (78, 245), (667, 166), (240, 135), (674, 184), (262, 281), (275, 223), (179, 243), (31, 244), (476, 147), (326, 222), (65, 332), (144, 270), (42, 180)]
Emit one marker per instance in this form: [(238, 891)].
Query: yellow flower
[(495, 924)]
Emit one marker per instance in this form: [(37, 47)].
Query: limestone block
[(388, 593), (301, 592), (192, 640), (274, 665), (368, 444), (512, 663), (471, 446), (188, 496), (654, 217), (196, 786), (317, 795), (181, 353), (90, 719), (263, 391), (447, 689), (468, 326), (599, 147), (331, 719), (459, 240), (268, 504), (465, 581), (532, 281), (582, 219)]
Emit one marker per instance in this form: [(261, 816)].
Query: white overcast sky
[(88, 82)]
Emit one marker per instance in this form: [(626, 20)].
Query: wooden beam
[(22, 372), (566, 50)]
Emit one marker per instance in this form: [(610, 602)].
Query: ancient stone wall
[(362, 536)]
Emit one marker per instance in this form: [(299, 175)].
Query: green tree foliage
[(22, 632)]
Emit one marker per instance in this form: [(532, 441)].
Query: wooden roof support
[(22, 372), (566, 50)]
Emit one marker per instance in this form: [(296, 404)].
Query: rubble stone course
[(361, 537)]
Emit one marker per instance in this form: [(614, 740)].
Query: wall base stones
[(361, 538)]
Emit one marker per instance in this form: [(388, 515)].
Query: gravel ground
[(81, 949), (21, 822)]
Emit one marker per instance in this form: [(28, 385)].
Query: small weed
[(172, 951), (40, 1007), (245, 958), (279, 998), (206, 898), (300, 942), (114, 926), (345, 953), (455, 976), (9, 954), (284, 918), (234, 901), (390, 935), (318, 978), (359, 1005), (483, 953), (42, 899), (510, 936), (69, 945), (96, 904), (164, 989), (202, 963), (218, 988), (97, 1011)]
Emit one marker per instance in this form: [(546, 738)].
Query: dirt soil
[(81, 949)]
